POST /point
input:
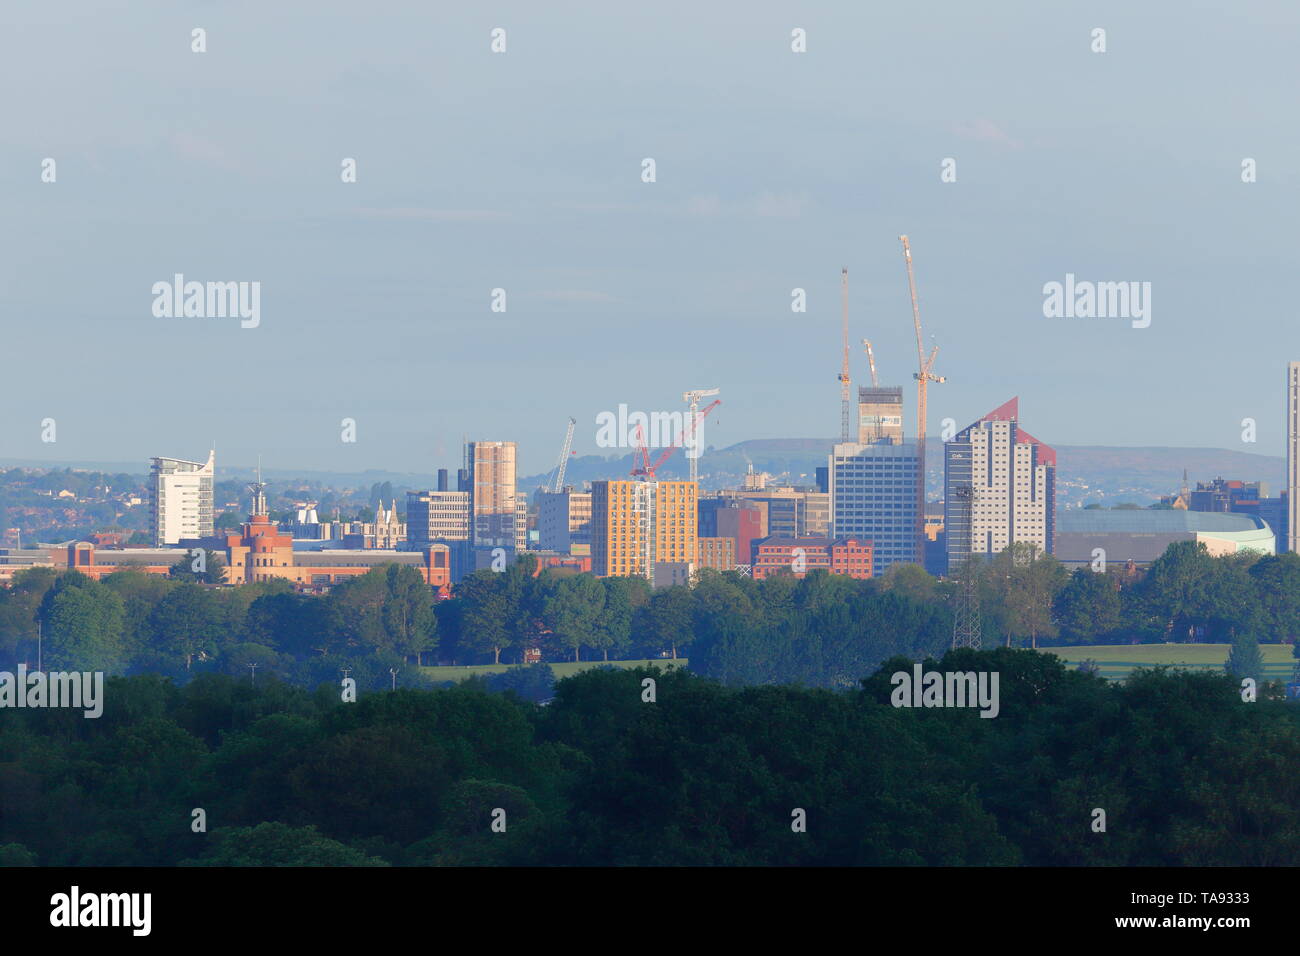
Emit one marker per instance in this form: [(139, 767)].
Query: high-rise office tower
[(494, 509), (873, 499), (1012, 476), (1293, 457), (880, 415), (180, 494), (639, 525)]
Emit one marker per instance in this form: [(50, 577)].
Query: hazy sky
[(522, 171)]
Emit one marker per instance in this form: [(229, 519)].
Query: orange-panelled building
[(637, 524)]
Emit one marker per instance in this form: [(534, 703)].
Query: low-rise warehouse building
[(1142, 535)]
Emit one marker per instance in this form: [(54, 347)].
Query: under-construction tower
[(880, 410), (966, 621)]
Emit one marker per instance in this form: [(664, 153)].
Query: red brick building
[(798, 556)]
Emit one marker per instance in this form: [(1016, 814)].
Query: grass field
[(1116, 660), (560, 669)]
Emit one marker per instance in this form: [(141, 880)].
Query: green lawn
[(560, 669), (1117, 660)]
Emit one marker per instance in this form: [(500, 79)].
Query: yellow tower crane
[(924, 376), (845, 391)]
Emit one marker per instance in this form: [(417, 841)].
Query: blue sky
[(522, 171)]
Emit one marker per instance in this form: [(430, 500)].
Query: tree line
[(818, 630), (705, 774)]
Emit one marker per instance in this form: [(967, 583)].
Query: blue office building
[(873, 498)]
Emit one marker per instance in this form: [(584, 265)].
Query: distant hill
[(1085, 473), (333, 479), (1108, 474)]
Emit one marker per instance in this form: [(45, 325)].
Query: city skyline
[(582, 435)]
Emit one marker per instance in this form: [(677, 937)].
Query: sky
[(522, 171)]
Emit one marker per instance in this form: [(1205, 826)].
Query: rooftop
[(1145, 521)]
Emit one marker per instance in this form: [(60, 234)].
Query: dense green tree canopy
[(704, 775)]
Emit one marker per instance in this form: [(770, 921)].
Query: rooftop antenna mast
[(258, 490)]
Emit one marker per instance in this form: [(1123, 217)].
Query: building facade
[(880, 415), (261, 552), (1224, 495), (1231, 496), (564, 521), (798, 556), (716, 553), (1141, 535), (180, 498), (436, 516), (743, 522), (873, 498), (636, 525), (390, 531), (494, 508), (796, 512), (1012, 480)]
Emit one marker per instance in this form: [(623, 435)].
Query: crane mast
[(844, 369), (692, 400), (924, 376)]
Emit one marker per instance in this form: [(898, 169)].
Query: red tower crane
[(642, 468)]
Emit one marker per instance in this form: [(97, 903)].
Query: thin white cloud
[(704, 206), (574, 295), (777, 205), (203, 150), (432, 215), (985, 131)]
